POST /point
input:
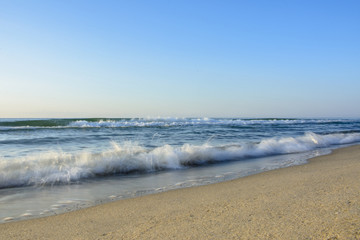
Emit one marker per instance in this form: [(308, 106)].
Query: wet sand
[(319, 200)]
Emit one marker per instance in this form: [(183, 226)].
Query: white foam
[(166, 122), (62, 167), (26, 215), (170, 121)]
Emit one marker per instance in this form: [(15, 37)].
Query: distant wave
[(15, 124), (62, 168)]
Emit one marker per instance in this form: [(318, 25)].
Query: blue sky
[(179, 58)]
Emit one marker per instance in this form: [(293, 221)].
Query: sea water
[(50, 166)]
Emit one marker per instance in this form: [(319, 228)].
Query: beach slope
[(319, 200)]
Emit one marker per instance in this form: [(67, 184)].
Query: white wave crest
[(61, 167), (166, 122)]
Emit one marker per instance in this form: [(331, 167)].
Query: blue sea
[(51, 166)]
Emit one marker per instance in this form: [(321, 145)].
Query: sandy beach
[(319, 200)]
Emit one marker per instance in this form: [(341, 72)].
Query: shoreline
[(319, 200)]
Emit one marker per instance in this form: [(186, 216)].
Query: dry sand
[(319, 200)]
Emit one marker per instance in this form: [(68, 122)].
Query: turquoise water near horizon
[(48, 166)]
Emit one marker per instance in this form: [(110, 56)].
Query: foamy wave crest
[(33, 124), (115, 124), (167, 122), (146, 122), (60, 167)]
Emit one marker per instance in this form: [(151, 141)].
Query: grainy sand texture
[(319, 200)]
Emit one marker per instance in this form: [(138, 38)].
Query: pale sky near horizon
[(179, 58)]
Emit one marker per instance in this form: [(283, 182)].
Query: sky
[(187, 58)]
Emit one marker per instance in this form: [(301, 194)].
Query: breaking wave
[(14, 124), (62, 168)]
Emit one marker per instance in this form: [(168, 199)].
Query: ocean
[(51, 166)]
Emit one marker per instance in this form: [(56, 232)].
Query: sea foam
[(61, 168), (33, 124), (168, 122)]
